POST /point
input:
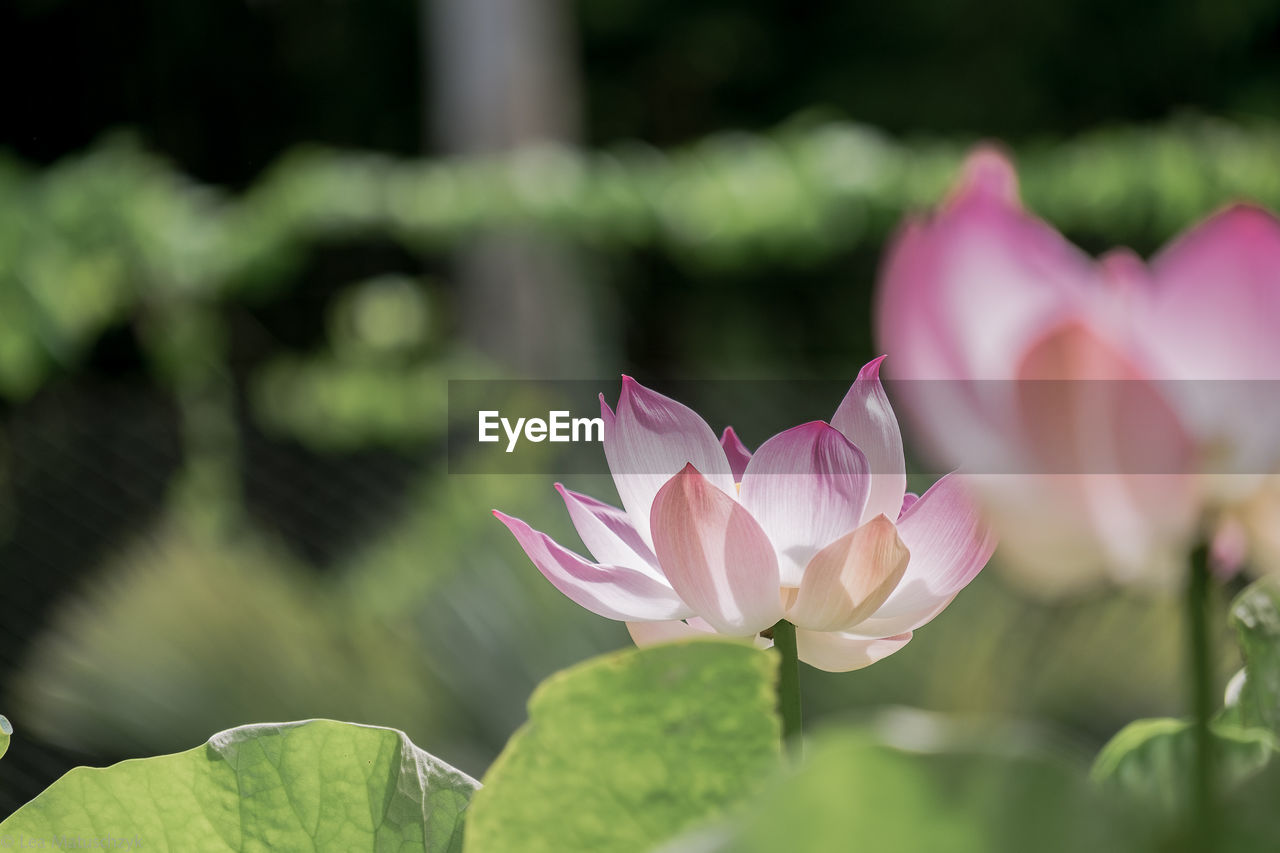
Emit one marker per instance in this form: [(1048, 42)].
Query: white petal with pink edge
[(649, 440), (807, 487), (833, 651), (652, 633), (949, 544), (866, 418), (608, 533), (715, 555), (846, 581), (614, 592)]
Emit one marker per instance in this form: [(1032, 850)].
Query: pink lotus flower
[(816, 527), (1107, 476)]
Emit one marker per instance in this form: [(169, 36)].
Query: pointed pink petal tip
[(988, 173), (1124, 267), (871, 370), (867, 419), (633, 388), (1239, 230), (1247, 216), (736, 452)]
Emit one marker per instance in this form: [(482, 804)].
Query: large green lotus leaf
[(914, 782), (1256, 616), (623, 752), (1151, 760), (315, 785)]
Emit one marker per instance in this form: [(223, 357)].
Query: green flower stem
[(784, 640), (1204, 781)]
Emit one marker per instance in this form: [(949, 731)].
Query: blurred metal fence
[(88, 467)]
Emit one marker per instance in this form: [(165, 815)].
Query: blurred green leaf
[(90, 241), (1256, 616), (315, 785), (189, 633), (627, 750), (331, 404), (385, 316), (1150, 760), (6, 731), (426, 629), (920, 782), (116, 232)]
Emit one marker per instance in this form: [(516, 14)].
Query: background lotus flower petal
[(1214, 317), (807, 487), (736, 452), (715, 555), (838, 652), (867, 419), (962, 293), (847, 580), (1228, 549), (650, 440), (1048, 542), (1218, 288), (1128, 285), (1117, 441), (608, 533), (961, 297), (949, 544), (1261, 521), (614, 592), (987, 174), (1105, 484), (1085, 407)]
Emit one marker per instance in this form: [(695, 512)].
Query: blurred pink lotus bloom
[(815, 527), (1090, 392)]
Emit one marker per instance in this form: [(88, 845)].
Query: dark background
[(223, 88)]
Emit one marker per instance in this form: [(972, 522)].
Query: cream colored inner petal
[(848, 580)]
